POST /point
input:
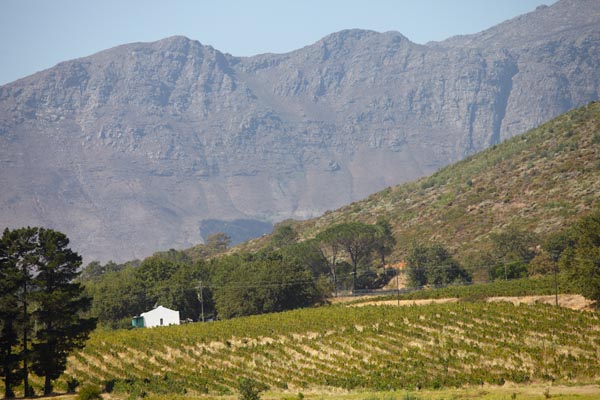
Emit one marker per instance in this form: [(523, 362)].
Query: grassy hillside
[(365, 348), (541, 181)]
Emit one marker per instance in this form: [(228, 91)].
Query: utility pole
[(398, 284), (201, 298), (556, 283), (555, 256), (334, 274), (27, 388)]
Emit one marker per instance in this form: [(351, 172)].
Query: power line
[(267, 284), (261, 285)]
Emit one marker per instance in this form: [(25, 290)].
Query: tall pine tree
[(37, 272), (10, 284), (21, 245), (60, 301)]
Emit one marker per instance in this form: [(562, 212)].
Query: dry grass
[(572, 301)]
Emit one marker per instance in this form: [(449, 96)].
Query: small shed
[(160, 316), (137, 321)]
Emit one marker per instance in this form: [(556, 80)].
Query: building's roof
[(159, 308)]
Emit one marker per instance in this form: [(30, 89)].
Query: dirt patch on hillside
[(572, 301), (348, 299), (420, 302)]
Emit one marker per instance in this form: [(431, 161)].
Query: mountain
[(150, 146), (542, 181)]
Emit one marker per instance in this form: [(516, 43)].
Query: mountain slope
[(541, 181), (149, 145)]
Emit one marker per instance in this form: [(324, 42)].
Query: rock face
[(133, 149)]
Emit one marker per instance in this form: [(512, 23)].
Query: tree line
[(41, 307), (286, 274)]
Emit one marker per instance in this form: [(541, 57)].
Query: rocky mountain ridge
[(144, 146)]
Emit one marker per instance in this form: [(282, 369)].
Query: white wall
[(160, 316)]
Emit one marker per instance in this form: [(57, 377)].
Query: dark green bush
[(89, 392), (250, 389), (72, 385), (513, 270)]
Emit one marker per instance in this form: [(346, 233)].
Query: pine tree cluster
[(41, 307)]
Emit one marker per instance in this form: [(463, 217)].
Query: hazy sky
[(37, 34)]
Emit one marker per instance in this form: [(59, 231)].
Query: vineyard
[(371, 348)]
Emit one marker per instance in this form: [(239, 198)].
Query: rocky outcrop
[(129, 150)]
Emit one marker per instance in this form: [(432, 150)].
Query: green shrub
[(89, 392), (109, 385), (250, 389), (72, 385), (513, 270)]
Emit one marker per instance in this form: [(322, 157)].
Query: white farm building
[(160, 316)]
